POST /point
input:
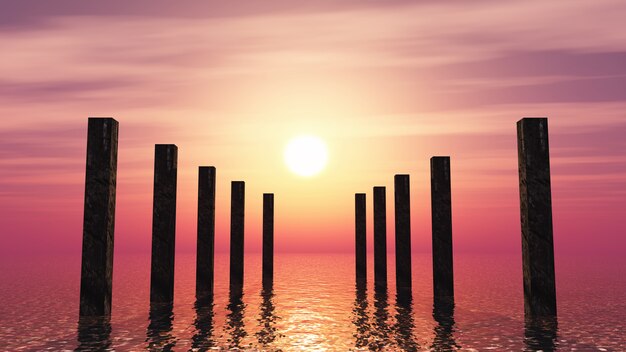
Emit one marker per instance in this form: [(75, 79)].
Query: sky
[(386, 84)]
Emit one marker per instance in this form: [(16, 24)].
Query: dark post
[(380, 237), (361, 252), (237, 203), (443, 282), (536, 217), (163, 223), (206, 231), (268, 239), (403, 231), (99, 218)]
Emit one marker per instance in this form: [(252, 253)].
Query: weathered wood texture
[(360, 236), (268, 238), (380, 237), (163, 223), (99, 218), (403, 231), (237, 206), (205, 254), (441, 206), (536, 217)]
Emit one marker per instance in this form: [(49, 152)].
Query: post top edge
[(96, 118), (532, 118)]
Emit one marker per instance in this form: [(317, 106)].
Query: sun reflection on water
[(314, 305)]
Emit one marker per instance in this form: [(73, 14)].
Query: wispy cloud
[(229, 81)]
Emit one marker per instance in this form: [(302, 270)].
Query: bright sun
[(306, 155)]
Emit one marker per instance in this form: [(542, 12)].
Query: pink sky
[(385, 84)]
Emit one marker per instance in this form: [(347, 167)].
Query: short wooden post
[(403, 231), (99, 218), (159, 333), (536, 216), (441, 205), (206, 232), (360, 235), (237, 199), (164, 223), (268, 239), (380, 237)]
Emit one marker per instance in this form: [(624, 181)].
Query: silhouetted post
[(443, 280), (206, 231), (268, 239), (163, 223), (540, 332), (444, 339), (159, 335), (380, 237), (94, 333), (237, 203), (361, 252), (99, 218), (403, 231), (536, 216)]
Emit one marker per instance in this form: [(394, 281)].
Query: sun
[(306, 155)]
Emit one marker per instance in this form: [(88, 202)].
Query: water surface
[(314, 305)]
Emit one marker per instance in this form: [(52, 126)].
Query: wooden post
[(443, 313), (99, 218), (268, 239), (360, 235), (94, 333), (536, 217), (380, 237), (237, 199), (206, 232), (441, 205), (159, 333), (403, 231), (164, 223)]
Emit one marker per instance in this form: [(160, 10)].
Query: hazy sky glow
[(385, 84)]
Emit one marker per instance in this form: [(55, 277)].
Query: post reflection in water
[(381, 329), (234, 319), (443, 313), (159, 333), (202, 340), (94, 333), (359, 315), (540, 333), (403, 329), (267, 319)]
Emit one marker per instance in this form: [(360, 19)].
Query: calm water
[(314, 306)]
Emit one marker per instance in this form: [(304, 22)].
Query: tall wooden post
[(206, 232), (360, 235), (268, 239), (163, 223), (380, 237), (403, 231), (536, 216), (99, 218), (237, 204), (441, 205)]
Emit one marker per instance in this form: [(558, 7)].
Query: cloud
[(455, 54), (57, 90), (401, 80)]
